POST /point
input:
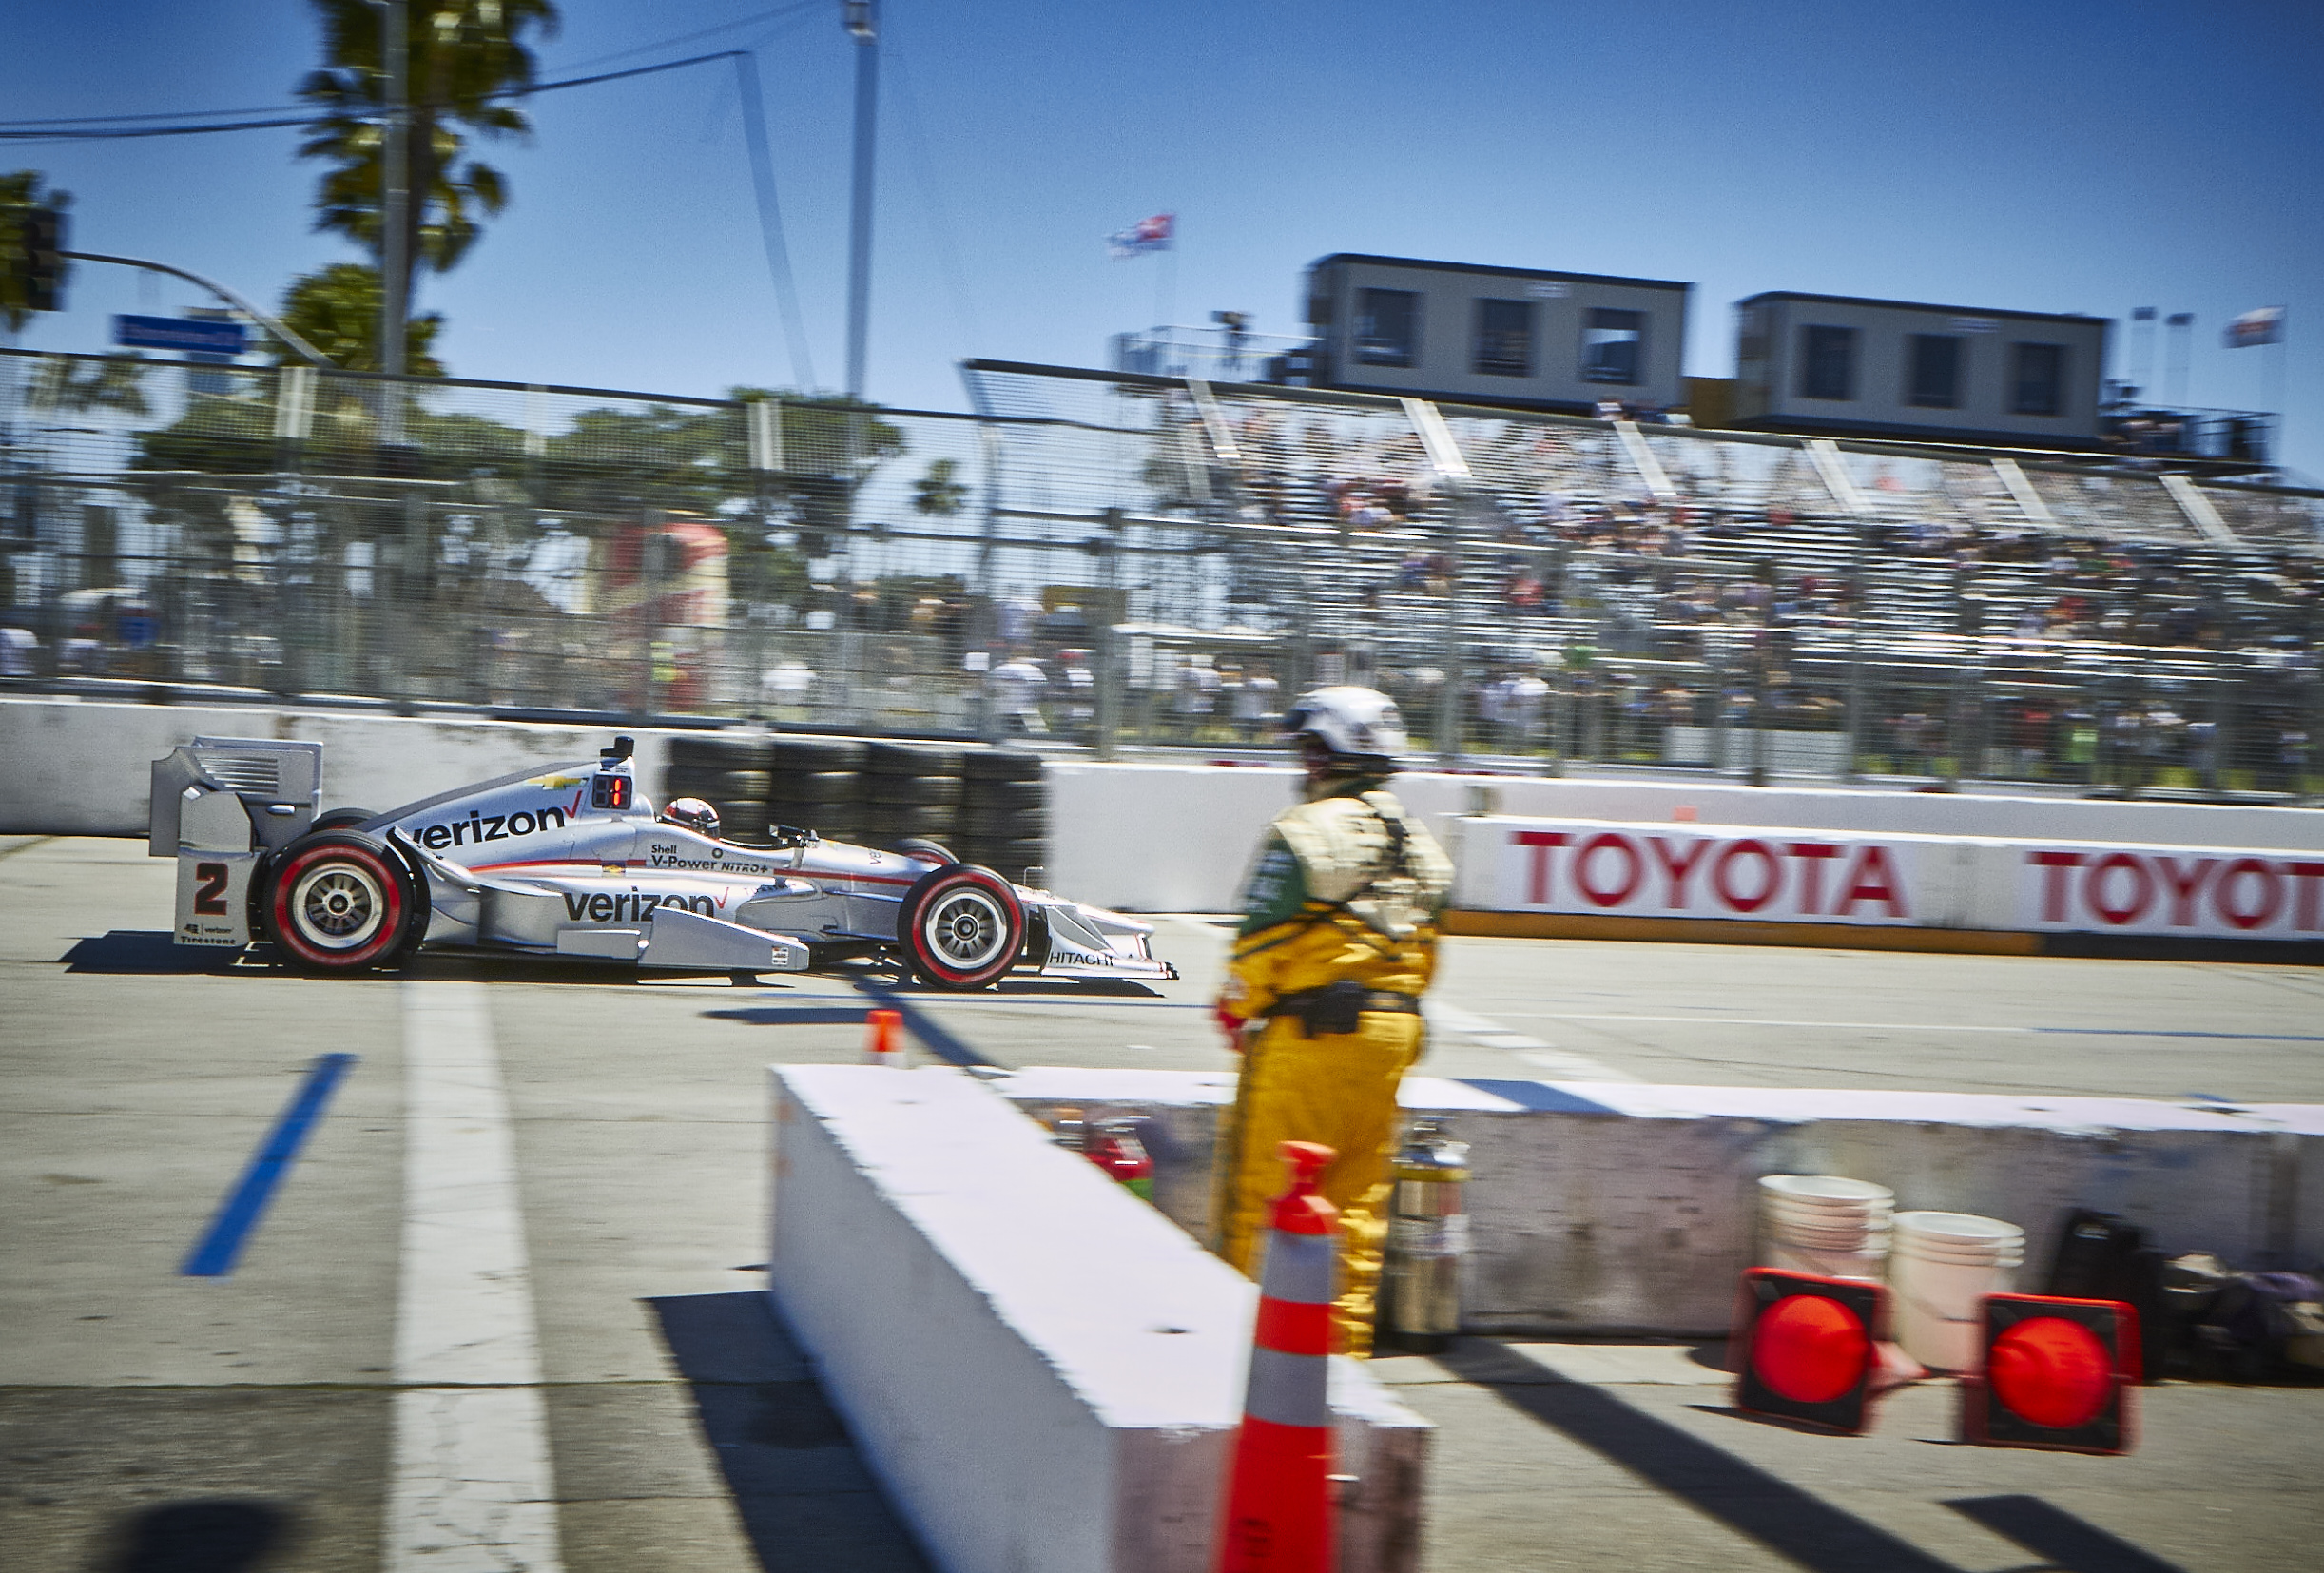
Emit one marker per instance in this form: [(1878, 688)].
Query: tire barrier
[(990, 805), (1004, 816), (910, 790)]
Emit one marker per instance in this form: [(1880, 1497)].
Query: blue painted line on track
[(237, 1216), (2149, 1032)]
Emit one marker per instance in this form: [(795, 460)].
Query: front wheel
[(961, 927), (339, 902)]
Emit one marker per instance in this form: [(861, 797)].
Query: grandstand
[(1538, 590)]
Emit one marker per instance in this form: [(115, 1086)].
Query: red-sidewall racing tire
[(339, 902), (961, 927), (341, 819)]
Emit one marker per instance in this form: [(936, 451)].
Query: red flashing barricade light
[(1115, 1147), (1808, 1347), (1279, 1496), (2055, 1373)]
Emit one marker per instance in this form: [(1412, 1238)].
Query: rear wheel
[(961, 927), (341, 818), (339, 902)]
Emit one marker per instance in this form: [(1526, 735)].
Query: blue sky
[(2061, 156)]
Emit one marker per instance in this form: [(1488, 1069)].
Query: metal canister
[(1427, 1236)]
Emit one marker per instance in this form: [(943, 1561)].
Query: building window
[(2036, 379), (1827, 362), (1388, 327), (1614, 346), (1936, 372), (1504, 338)]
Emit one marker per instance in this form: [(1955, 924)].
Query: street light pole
[(396, 199), (862, 23)]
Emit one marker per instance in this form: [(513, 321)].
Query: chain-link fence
[(1124, 560)]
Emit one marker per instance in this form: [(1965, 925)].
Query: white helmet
[(1359, 726), (693, 814)]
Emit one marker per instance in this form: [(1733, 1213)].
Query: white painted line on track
[(1533, 1051), (470, 1489), (1923, 1026)]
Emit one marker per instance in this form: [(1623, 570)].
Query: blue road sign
[(178, 333)]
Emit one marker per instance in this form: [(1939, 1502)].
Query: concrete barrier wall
[(80, 768), (1144, 837), (1044, 1372), (1174, 838), (1793, 874), (1605, 1208)]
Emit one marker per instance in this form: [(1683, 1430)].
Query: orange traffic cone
[(883, 1039), (1279, 1516)]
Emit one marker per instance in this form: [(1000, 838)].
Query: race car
[(573, 861)]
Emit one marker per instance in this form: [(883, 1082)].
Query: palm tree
[(336, 310), (465, 56)]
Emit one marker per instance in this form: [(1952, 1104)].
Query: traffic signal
[(2055, 1373), (44, 246), (1807, 1348)]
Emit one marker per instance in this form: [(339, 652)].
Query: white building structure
[(1527, 338), (1844, 366)]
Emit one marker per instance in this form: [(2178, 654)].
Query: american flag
[(1144, 236)]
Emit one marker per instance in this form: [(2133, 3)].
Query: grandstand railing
[(1176, 555)]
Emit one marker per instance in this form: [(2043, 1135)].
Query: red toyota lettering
[(2141, 887), (2053, 881), (1871, 880), (1537, 887), (1770, 878), (1676, 869), (1809, 853), (2305, 876), (1635, 866), (2271, 893), (2183, 887)]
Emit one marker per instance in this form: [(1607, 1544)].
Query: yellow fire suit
[(1347, 888)]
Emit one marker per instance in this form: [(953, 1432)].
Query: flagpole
[(1166, 282)]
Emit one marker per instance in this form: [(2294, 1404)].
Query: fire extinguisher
[(1427, 1236)]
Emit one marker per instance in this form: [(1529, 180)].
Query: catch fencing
[(1131, 560)]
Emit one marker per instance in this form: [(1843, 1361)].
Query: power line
[(8, 134), (187, 118)]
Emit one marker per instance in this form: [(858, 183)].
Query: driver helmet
[(1358, 726), (692, 814)]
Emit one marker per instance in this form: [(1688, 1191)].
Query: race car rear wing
[(233, 794)]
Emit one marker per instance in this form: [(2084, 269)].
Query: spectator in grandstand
[(1015, 687), (19, 649), (1080, 692), (1254, 703)]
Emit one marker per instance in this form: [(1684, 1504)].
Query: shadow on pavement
[(794, 1016), (224, 1535), (803, 1491), (1793, 1523), (136, 952), (2060, 1539)]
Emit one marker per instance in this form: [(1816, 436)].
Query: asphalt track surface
[(273, 1414)]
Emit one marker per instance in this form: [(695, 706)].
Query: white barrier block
[(1609, 1208), (1042, 1369)]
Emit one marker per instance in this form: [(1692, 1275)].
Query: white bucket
[(1824, 1224), (1945, 1263)]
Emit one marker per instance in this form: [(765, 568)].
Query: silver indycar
[(573, 863)]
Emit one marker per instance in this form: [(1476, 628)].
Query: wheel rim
[(966, 930), (339, 907)]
